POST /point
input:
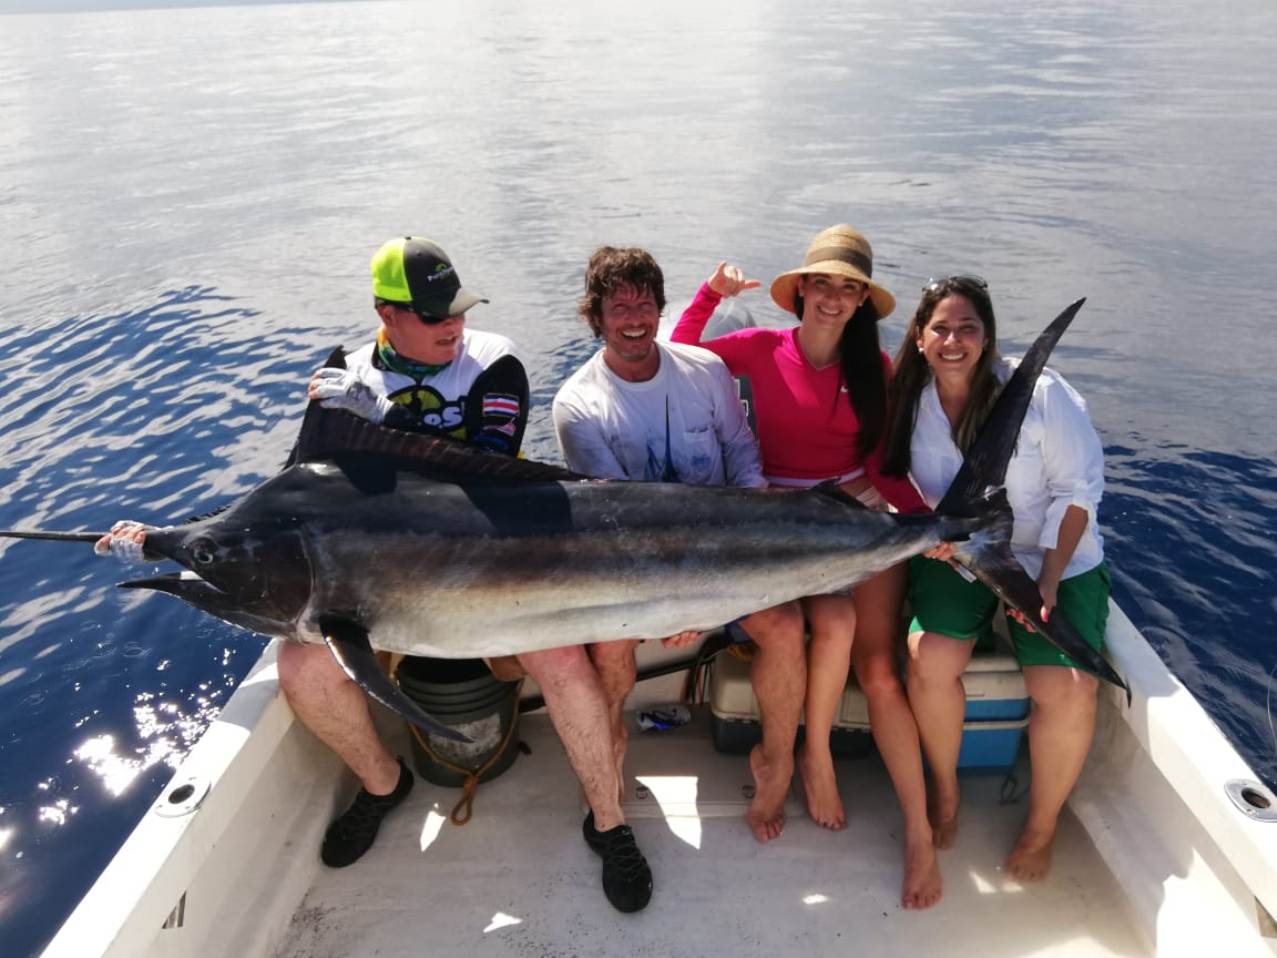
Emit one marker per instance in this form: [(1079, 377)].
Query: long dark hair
[(860, 368), (912, 375)]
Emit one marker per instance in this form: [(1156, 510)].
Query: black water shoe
[(353, 832), (627, 881)]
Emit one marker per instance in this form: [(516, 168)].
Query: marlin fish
[(381, 539)]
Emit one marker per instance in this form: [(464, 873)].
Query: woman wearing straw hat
[(820, 395)]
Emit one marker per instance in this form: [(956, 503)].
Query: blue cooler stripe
[(1001, 710)]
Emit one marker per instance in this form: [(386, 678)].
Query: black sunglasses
[(962, 279), (424, 317)]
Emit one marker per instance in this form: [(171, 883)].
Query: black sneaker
[(353, 832), (627, 881)]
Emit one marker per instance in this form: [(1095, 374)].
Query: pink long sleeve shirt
[(807, 430)]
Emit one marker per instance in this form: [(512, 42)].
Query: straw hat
[(838, 251)]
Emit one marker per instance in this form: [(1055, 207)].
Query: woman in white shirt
[(948, 375)]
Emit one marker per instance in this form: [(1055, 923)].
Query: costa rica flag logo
[(499, 404)]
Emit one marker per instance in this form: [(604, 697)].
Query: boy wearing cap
[(644, 410), (425, 372)]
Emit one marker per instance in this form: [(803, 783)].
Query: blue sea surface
[(189, 197)]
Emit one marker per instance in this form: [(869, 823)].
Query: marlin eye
[(203, 551)]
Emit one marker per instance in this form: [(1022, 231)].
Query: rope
[(464, 809)]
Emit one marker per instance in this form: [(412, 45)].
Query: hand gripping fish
[(381, 539)]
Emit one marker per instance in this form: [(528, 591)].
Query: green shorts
[(945, 603)]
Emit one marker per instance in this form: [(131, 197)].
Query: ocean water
[(189, 197)]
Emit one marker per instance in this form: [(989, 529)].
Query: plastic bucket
[(464, 695)]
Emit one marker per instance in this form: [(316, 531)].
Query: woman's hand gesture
[(729, 280)]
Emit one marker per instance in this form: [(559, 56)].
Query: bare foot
[(766, 814), (922, 875), (821, 787), (1030, 860), (942, 811)]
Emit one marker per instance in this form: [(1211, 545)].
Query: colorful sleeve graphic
[(497, 407)]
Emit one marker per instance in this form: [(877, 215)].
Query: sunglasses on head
[(961, 279)]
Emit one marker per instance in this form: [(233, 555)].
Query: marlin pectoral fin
[(349, 645)]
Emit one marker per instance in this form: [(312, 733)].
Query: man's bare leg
[(878, 629), (328, 703), (614, 662), (1061, 727), (779, 677), (832, 619), (939, 701), (578, 708)]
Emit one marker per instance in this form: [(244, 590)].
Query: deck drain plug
[(182, 798), (1253, 799)]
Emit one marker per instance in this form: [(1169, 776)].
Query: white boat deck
[(519, 879), (1153, 856)]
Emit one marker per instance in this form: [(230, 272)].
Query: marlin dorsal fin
[(329, 433)]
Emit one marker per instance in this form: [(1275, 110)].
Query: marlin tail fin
[(985, 465)]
